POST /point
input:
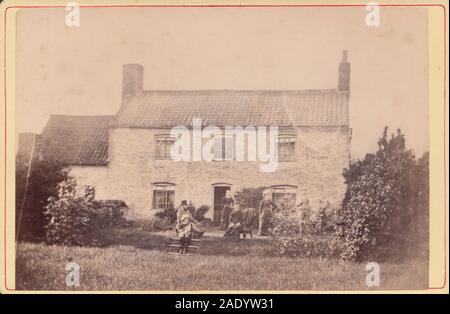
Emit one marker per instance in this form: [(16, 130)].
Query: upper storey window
[(163, 146), (286, 147)]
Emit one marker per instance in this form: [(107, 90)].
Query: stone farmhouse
[(127, 156)]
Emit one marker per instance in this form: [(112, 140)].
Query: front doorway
[(219, 194)]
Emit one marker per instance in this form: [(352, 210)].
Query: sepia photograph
[(221, 148)]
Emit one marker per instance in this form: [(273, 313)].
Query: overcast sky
[(77, 71)]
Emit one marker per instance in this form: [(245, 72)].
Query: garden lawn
[(127, 267)]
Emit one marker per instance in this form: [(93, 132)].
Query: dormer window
[(286, 147)]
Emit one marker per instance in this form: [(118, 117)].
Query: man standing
[(265, 212)]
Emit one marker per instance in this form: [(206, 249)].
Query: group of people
[(232, 216)]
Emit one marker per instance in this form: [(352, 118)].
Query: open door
[(219, 194)]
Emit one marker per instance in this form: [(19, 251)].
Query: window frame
[(157, 151), (224, 138), (166, 187), (292, 138), (286, 188)]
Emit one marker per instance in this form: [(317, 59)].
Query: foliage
[(168, 214), (200, 212), (381, 200), (285, 225), (69, 214), (303, 246), (45, 175), (158, 223), (251, 197), (323, 223), (107, 213), (293, 238), (74, 216)]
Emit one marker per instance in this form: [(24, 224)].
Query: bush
[(251, 197), (74, 216), (303, 246), (381, 202), (107, 213), (45, 175), (323, 223), (292, 238), (285, 225), (200, 212), (170, 214), (157, 223), (69, 214)]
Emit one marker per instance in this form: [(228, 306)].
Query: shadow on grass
[(141, 238)]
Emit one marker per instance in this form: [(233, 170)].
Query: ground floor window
[(163, 196), (284, 196)]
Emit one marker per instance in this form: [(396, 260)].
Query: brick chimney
[(344, 73), (132, 79)]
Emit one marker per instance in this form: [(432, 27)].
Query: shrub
[(293, 239), (45, 175), (304, 245), (108, 213), (74, 216), (69, 214), (157, 223), (381, 200), (251, 197), (169, 213), (285, 225), (323, 223), (200, 212)]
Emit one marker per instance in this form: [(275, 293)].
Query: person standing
[(266, 208), (303, 208), (227, 207)]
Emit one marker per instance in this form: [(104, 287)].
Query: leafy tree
[(44, 177), (381, 199)]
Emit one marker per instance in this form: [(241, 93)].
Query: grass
[(135, 259)]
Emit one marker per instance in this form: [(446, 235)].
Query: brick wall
[(321, 155)]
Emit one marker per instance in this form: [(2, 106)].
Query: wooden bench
[(175, 246)]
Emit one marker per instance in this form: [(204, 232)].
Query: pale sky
[(78, 71)]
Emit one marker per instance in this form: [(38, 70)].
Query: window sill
[(162, 158), (222, 160)]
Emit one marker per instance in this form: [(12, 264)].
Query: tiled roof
[(76, 140), (327, 107)]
